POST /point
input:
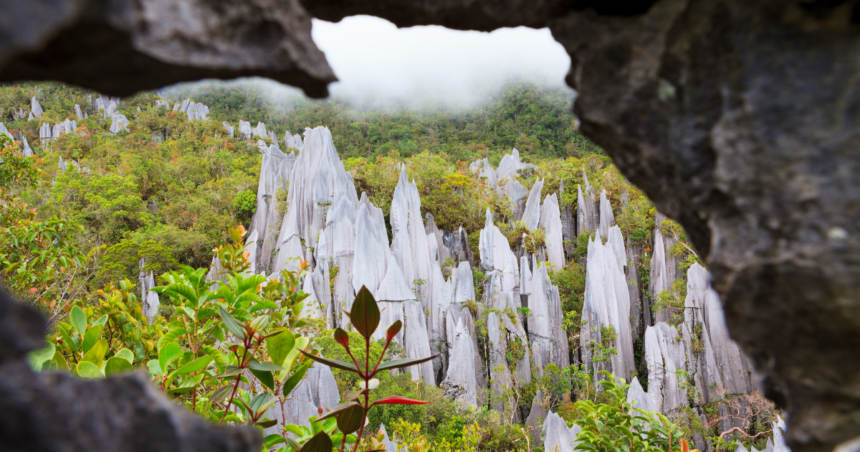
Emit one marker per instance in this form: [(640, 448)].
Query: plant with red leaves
[(352, 414)]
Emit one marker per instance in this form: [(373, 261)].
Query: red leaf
[(397, 400), (342, 338), (393, 330)]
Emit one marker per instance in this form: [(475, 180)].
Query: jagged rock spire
[(275, 172), (557, 436), (607, 304), (35, 107), (548, 338), (409, 243), (460, 382), (550, 221), (531, 214)]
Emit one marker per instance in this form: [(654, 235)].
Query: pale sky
[(375, 60)]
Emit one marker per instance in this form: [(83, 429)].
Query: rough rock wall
[(744, 152), (607, 304), (123, 46), (50, 411)]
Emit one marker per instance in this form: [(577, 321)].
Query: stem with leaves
[(352, 415)]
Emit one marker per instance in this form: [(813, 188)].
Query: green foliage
[(570, 281), (353, 413), (533, 119), (672, 300), (616, 425)]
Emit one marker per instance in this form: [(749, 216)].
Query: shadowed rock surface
[(124, 46), (52, 411)]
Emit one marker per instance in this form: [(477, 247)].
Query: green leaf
[(194, 366), (296, 378), (167, 354), (266, 424), (79, 320), (97, 353), (231, 371), (273, 440), (231, 324), (170, 336), (115, 365), (332, 362), (37, 358), (86, 369), (365, 313), (182, 290), (337, 410), (294, 444), (265, 377), (67, 340), (319, 443), (220, 394), (279, 346), (351, 419), (154, 367), (400, 363), (266, 366), (125, 354), (262, 408), (92, 336), (101, 321)]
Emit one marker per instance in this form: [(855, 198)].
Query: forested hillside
[(107, 202)]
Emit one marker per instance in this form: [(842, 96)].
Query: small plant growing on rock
[(351, 415)]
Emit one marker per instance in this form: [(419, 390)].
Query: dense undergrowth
[(167, 189)]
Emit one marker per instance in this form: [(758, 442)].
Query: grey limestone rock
[(293, 141), (548, 339), (607, 219), (118, 122), (607, 303), (517, 194), (550, 221), (531, 213), (637, 396), (665, 354), (149, 298), (318, 179), (557, 436), (640, 312), (664, 266), (78, 113), (725, 365), (262, 147), (500, 375), (460, 383), (245, 129), (116, 414), (317, 390), (390, 446), (162, 103), (409, 243), (229, 129), (275, 173), (27, 152), (536, 417), (5, 131), (45, 133), (35, 107), (585, 210), (260, 131)]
